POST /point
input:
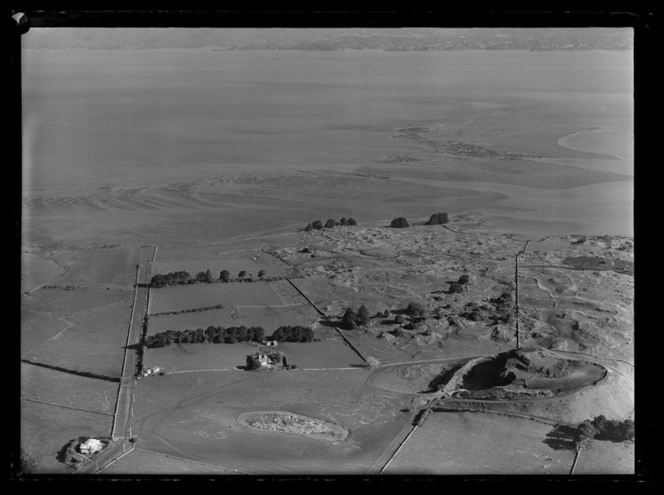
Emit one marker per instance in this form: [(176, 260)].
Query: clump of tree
[(212, 334), (330, 224), (601, 428), (399, 223), (438, 219), (295, 333), (352, 319), (171, 278), (416, 310), (225, 276), (464, 279)]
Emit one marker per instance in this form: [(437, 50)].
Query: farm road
[(139, 310)]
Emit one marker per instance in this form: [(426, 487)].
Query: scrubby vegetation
[(229, 335), (438, 219), (399, 223), (330, 224)]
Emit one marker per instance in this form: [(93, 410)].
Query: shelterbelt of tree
[(206, 277), (229, 335)]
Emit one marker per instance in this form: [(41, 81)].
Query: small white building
[(91, 447), (152, 371)]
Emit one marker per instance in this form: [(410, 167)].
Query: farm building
[(91, 447)]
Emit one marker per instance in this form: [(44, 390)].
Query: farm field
[(66, 389), (37, 270), (75, 301), (144, 462), (37, 328), (475, 443), (605, 457), (194, 428), (201, 319), (177, 298), (186, 357), (110, 267), (272, 266), (95, 341), (329, 353), (268, 317), (46, 429)]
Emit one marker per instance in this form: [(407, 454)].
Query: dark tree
[(399, 223), (253, 363), (330, 223), (261, 274), (242, 274), (362, 316), (438, 219), (258, 334), (415, 309), (309, 227), (205, 277), (456, 288), (158, 281), (349, 318), (464, 279), (318, 225), (343, 221), (225, 276), (351, 221), (400, 319)]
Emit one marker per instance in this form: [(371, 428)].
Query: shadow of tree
[(562, 437), (331, 324)]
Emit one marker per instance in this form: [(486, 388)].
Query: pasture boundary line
[(576, 459), (308, 300), (562, 267), (66, 407), (440, 409), (191, 461), (133, 447), (237, 369), (124, 357), (351, 345), (85, 374), (403, 442)]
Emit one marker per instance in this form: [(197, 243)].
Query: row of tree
[(295, 333), (212, 334), (205, 277), (228, 335), (331, 223)]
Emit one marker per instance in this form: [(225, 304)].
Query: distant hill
[(407, 39)]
